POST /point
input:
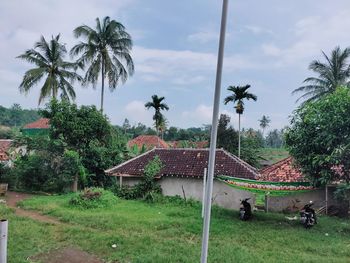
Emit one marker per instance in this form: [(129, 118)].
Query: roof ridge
[(128, 161), (242, 162), (276, 165)]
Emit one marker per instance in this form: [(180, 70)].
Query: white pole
[(3, 240), (214, 129), (204, 185)]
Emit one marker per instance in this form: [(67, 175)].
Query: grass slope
[(172, 233), (273, 154)]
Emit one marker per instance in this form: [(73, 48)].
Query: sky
[(269, 45)]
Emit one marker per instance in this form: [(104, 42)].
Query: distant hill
[(15, 116)]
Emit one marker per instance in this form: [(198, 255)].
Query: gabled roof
[(42, 123), (186, 163), (4, 147), (150, 141), (282, 171)]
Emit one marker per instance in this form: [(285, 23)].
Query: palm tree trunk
[(103, 84), (239, 135)]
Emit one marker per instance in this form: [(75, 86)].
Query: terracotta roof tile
[(186, 163), (150, 141), (42, 123), (282, 171), (4, 147)]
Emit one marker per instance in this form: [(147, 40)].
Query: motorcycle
[(245, 211), (308, 216)]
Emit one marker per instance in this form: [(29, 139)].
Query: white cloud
[(203, 37), (136, 112), (311, 35), (203, 114), (257, 30)]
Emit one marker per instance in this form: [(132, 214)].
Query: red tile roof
[(4, 147), (42, 123), (282, 171), (150, 141), (186, 163)]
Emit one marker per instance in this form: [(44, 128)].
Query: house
[(147, 141), (285, 171), (282, 171), (39, 127), (4, 148), (183, 170)]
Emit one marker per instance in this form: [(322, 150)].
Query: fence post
[(3, 240), (266, 202), (204, 191)]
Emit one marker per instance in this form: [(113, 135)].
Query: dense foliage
[(15, 116), (227, 138), (46, 166), (319, 138), (93, 198), (148, 188), (85, 130)]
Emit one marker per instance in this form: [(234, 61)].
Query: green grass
[(274, 154), (171, 232)]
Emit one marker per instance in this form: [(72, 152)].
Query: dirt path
[(67, 255), (12, 198)]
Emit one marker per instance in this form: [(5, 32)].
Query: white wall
[(223, 195)]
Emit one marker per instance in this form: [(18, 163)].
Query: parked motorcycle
[(308, 216), (245, 211)]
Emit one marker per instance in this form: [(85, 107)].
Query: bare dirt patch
[(12, 198), (66, 255)]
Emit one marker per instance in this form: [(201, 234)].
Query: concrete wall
[(296, 202), (223, 195)]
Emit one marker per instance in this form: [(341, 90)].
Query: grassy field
[(171, 232), (274, 154)]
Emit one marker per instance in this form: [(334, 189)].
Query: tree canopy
[(319, 140)]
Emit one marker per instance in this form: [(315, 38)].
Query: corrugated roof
[(186, 163)]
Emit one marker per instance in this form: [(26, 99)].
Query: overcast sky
[(269, 45)]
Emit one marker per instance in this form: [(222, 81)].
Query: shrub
[(93, 198)]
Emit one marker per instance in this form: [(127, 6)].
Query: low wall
[(292, 203), (223, 195)]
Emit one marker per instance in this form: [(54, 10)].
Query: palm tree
[(331, 74), (239, 93), (106, 51), (48, 57), (264, 123), (157, 105)]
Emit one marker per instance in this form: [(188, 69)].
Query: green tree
[(239, 94), (48, 57), (106, 51), (332, 73), (319, 136), (264, 122), (88, 132), (157, 105)]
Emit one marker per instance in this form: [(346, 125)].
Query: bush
[(147, 188), (93, 198)]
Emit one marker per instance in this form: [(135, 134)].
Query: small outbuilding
[(183, 171)]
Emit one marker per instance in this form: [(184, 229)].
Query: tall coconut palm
[(264, 123), (239, 93), (332, 73), (106, 51), (157, 105), (48, 57)]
